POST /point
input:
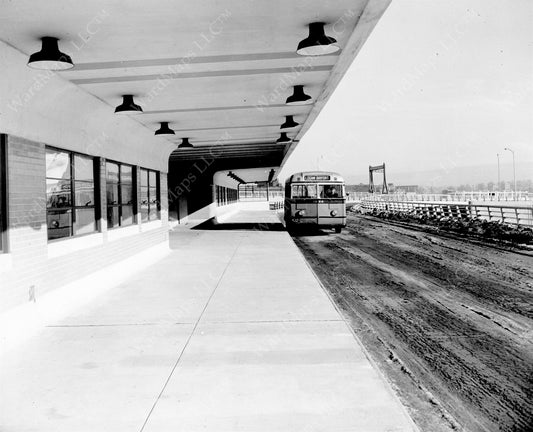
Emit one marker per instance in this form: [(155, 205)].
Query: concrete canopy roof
[(218, 71), (249, 175)]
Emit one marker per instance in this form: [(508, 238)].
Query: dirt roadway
[(450, 323)]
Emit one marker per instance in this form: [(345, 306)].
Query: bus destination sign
[(317, 177)]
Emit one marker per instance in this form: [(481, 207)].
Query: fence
[(512, 215), (453, 197), (260, 194)]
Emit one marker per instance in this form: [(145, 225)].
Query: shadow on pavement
[(211, 225), (309, 232)]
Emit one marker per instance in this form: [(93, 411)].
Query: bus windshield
[(303, 191), (330, 191)]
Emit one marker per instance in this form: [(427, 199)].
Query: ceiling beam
[(229, 127), (216, 155), (273, 158), (218, 150), (182, 153), (204, 74), (226, 108), (184, 61), (239, 145), (225, 141)]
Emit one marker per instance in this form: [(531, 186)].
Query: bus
[(315, 199)]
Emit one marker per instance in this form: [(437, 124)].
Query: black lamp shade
[(289, 123), (317, 43), (50, 58), (128, 106), (298, 97), (283, 138), (185, 143), (164, 130)]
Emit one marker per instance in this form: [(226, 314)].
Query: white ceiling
[(202, 66)]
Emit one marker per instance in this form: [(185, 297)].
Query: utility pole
[(514, 170)]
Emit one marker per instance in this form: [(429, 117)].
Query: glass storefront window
[(149, 195), (70, 195), (120, 193), (3, 193)]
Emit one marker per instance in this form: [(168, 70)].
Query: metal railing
[(512, 215), (276, 205)]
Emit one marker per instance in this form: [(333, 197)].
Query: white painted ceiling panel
[(203, 66)]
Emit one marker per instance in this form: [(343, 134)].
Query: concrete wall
[(178, 213), (34, 266), (43, 107), (39, 109), (212, 208)]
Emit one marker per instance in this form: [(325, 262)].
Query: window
[(3, 193), (330, 191), (303, 191), (149, 195), (219, 195), (226, 195), (120, 192), (70, 197)]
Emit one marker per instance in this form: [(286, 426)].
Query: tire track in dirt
[(464, 335)]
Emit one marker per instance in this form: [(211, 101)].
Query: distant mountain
[(452, 176)]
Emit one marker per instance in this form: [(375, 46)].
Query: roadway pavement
[(229, 332)]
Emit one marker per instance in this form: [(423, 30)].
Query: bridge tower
[(377, 169)]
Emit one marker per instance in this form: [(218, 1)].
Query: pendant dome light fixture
[(128, 106), (298, 97), (164, 130), (185, 143), (317, 43), (289, 123), (50, 58), (283, 138)]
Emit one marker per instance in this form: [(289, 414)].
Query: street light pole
[(498, 184), (514, 170)]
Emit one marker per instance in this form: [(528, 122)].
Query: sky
[(438, 86)]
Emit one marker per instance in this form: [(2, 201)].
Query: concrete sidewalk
[(230, 332)]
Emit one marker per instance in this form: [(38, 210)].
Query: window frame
[(73, 207), (4, 246), (322, 190), (119, 204), (300, 187), (148, 187)]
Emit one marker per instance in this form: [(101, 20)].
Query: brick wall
[(29, 270)]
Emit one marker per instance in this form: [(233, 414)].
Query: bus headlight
[(300, 213), (333, 212)]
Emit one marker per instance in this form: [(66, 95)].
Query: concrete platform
[(230, 332)]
